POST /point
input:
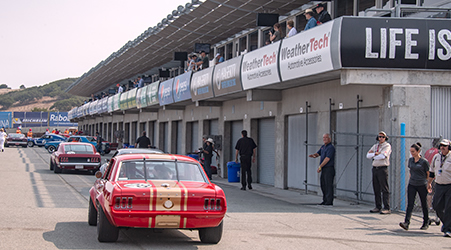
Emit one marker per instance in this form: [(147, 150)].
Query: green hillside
[(26, 96)]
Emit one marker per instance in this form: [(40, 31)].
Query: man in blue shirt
[(327, 170), (311, 20)]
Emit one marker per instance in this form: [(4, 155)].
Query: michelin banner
[(30, 119), (60, 119), (5, 119)]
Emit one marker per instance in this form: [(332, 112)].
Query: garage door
[(441, 111), (165, 137), (297, 151), (179, 135), (266, 151), (194, 136), (236, 127)]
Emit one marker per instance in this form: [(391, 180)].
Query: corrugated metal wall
[(441, 111)]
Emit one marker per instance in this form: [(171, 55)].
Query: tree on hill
[(6, 101), (67, 104), (22, 86), (3, 86)]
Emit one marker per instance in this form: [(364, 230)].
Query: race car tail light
[(212, 204), (95, 159), (64, 159), (123, 203)]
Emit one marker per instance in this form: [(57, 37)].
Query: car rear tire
[(51, 165), (30, 144), (51, 149), (92, 214), (56, 169), (211, 235), (105, 231)]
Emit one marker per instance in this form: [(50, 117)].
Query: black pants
[(207, 167), (246, 162), (327, 184), (442, 205), (380, 185), (411, 193)]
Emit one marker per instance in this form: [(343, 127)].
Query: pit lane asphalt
[(44, 210)]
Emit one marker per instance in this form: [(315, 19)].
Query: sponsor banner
[(131, 98), (259, 67), (110, 104), (117, 101), (60, 119), (104, 105), (181, 87), (306, 54), (93, 108), (123, 104), (152, 94), (139, 97), (226, 77), (86, 109), (165, 92), (396, 43), (201, 85), (6, 119), (30, 119)]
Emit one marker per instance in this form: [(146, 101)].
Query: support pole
[(358, 191), (307, 106), (403, 168)]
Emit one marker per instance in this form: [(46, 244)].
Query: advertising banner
[(181, 87), (30, 119), (60, 119), (226, 77), (104, 105), (6, 119), (152, 94), (396, 43), (93, 108), (139, 97), (131, 98), (201, 84), (165, 92), (110, 104), (117, 101), (307, 53), (123, 104), (259, 67)]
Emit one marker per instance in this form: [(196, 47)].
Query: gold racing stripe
[(186, 196), (172, 193), (184, 222)]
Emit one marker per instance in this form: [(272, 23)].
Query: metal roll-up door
[(179, 137), (194, 136), (441, 111), (214, 130), (154, 133), (345, 153), (166, 137), (297, 131), (266, 151), (236, 127)]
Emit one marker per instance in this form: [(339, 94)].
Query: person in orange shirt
[(18, 131), (53, 131), (66, 132), (30, 133)]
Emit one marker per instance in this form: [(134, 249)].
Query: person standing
[(290, 26), (311, 21), (99, 143), (327, 170), (380, 154), (143, 141), (205, 62), (246, 148), (441, 171), (2, 139), (274, 35), (323, 15), (30, 133), (419, 172), (208, 155)]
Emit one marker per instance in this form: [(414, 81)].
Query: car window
[(90, 138), (78, 149), (109, 170), (189, 172), (46, 136), (16, 135)]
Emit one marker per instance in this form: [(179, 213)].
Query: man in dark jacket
[(143, 141), (323, 15), (245, 147)]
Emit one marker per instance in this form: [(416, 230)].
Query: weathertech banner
[(306, 53), (396, 43)]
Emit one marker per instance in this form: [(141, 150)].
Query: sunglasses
[(381, 136)]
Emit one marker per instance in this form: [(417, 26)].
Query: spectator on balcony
[(219, 59), (205, 62), (290, 26), (311, 21), (140, 82), (274, 34), (323, 15), (191, 64)]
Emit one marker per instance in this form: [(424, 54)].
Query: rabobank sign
[(58, 119)]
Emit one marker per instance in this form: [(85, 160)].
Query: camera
[(272, 30)]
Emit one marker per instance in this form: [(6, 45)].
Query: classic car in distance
[(75, 156), (40, 142), (156, 191), (53, 145), (123, 151), (16, 140)]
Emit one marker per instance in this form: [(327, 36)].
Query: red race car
[(156, 191), (75, 156)]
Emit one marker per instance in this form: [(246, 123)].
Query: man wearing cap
[(380, 154), (30, 133), (440, 170), (219, 58), (311, 21), (323, 15), (208, 154)]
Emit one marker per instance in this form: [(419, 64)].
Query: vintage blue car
[(40, 142), (53, 145)]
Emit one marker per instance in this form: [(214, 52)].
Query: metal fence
[(353, 178)]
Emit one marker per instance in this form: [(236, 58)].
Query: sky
[(48, 40)]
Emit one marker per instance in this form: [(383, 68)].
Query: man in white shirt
[(380, 154)]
